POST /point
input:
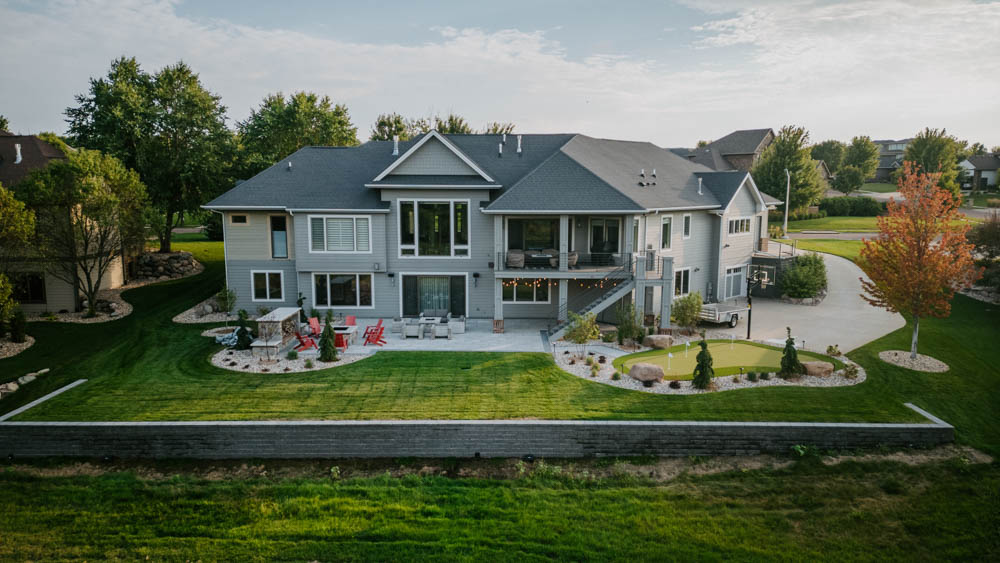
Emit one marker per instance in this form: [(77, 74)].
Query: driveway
[(842, 318)]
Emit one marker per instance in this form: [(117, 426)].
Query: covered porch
[(562, 243)]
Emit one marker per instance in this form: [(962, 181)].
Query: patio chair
[(314, 326), (515, 258), (375, 337), (351, 320), (441, 330), (411, 328), (457, 324), (305, 343), (372, 329), (397, 325), (572, 258)]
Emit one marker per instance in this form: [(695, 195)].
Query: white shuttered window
[(340, 234)]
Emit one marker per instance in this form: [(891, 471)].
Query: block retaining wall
[(454, 438)]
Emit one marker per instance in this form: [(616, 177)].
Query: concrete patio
[(520, 335)]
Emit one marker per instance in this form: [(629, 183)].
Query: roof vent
[(17, 150), (518, 144), (654, 174), (289, 165), (499, 149), (395, 145), (642, 172), (504, 138), (699, 185)]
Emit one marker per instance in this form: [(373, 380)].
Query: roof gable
[(746, 141), (434, 154)]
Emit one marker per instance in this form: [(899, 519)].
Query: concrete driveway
[(843, 318)]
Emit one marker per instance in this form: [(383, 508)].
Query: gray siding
[(385, 294), (252, 241), (740, 246), (699, 252), (239, 276), (309, 261), (433, 158)]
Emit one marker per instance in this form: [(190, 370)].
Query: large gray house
[(491, 227)]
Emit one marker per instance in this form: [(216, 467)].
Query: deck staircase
[(618, 283)]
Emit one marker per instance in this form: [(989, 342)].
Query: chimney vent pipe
[(395, 145)]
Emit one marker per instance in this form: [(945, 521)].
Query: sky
[(667, 72)]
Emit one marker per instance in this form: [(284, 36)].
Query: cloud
[(858, 68)]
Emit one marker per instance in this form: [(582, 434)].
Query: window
[(526, 291), (342, 290), (340, 234), (434, 228), (29, 288), (682, 282), (666, 232), (238, 219), (267, 286), (739, 226), (687, 226), (734, 282), (279, 236)]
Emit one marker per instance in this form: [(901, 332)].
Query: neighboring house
[(491, 227), (824, 172), (36, 289), (981, 170), (890, 157), (739, 150)]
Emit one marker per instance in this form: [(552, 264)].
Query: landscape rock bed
[(10, 349), (205, 312), (923, 363), (811, 301), (13, 386), (161, 267), (722, 383), (246, 363)]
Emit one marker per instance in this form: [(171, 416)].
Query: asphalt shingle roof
[(746, 141), (431, 180), (985, 161), (35, 154)]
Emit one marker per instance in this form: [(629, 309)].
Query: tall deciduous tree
[(452, 125), (389, 125), (88, 210), (167, 127), (862, 154), (831, 152), (935, 152), (17, 225), (4, 124), (282, 126), (849, 179), (498, 128), (921, 256), (789, 151)]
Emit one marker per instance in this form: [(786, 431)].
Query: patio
[(520, 335)]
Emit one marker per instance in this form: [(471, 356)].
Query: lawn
[(849, 249), (840, 224), (727, 358), (850, 512), (880, 187), (980, 199)]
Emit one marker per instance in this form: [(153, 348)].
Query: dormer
[(433, 162)]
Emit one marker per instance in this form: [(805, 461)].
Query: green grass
[(727, 359), (850, 512), (880, 187), (840, 224), (849, 249), (980, 199)]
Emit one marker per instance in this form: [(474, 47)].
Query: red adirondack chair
[(351, 320), (375, 336), (372, 329), (314, 326), (305, 343)]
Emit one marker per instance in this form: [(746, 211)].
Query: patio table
[(428, 322), (351, 332)]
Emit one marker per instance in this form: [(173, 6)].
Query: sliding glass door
[(433, 294)]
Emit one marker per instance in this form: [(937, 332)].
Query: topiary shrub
[(805, 278), (752, 377), (18, 327), (790, 364), (243, 339), (764, 376), (292, 355), (616, 376), (327, 344), (703, 372)]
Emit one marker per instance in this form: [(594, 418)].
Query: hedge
[(852, 207)]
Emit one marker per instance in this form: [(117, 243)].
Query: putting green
[(727, 358)]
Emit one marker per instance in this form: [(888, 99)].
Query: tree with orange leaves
[(921, 256)]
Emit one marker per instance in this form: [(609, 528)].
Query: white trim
[(436, 186), (433, 275), (253, 293), (755, 192), (420, 143), (579, 212), (416, 229), (747, 218), (690, 225), (670, 241), (371, 244), (357, 298), (225, 251), (725, 276), (288, 209), (685, 208), (548, 284), (246, 224), (688, 292)]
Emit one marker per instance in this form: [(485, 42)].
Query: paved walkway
[(519, 336), (843, 318)]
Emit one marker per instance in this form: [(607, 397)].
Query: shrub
[(790, 364), (764, 376), (991, 277), (775, 232), (213, 227), (833, 350), (993, 202), (852, 207), (703, 372), (226, 300), (243, 339), (582, 329), (594, 370), (851, 371), (674, 384), (327, 344), (687, 309), (736, 379), (309, 364), (752, 376), (292, 355), (629, 323), (609, 337), (616, 376), (986, 237), (589, 361), (18, 327), (261, 311), (805, 277)]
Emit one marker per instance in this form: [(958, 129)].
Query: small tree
[(226, 300), (862, 155), (703, 372), (243, 339), (790, 364), (18, 327), (327, 343), (582, 329), (629, 325), (687, 310), (986, 237), (921, 256), (849, 179)]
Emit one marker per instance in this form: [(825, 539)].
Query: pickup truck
[(721, 313)]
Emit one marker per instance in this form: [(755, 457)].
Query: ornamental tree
[(327, 344), (687, 310), (921, 256), (243, 338), (703, 372), (582, 329), (790, 364)]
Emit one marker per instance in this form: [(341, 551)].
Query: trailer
[(721, 313)]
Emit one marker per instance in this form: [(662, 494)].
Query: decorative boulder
[(658, 341), (9, 387), (25, 379), (646, 372), (818, 369)]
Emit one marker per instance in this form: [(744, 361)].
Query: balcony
[(545, 261)]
